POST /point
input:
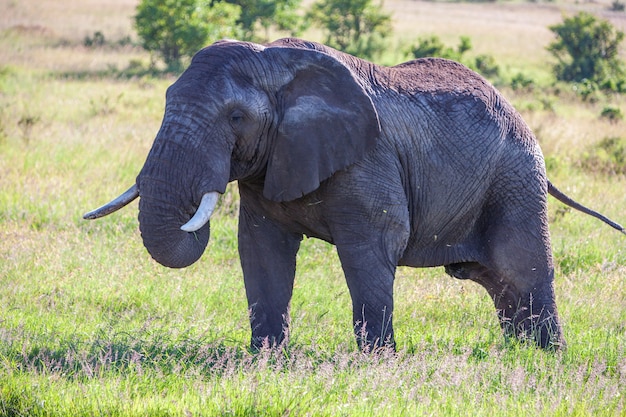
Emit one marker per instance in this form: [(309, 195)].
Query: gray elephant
[(423, 164)]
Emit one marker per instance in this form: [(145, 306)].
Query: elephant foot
[(258, 344), (268, 335), (375, 345), (531, 321)]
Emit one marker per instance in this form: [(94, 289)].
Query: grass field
[(91, 326)]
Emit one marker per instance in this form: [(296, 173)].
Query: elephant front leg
[(370, 281), (268, 261)]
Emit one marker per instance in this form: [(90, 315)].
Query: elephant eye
[(236, 117)]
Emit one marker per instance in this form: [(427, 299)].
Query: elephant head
[(245, 112)]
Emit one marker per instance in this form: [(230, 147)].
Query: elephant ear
[(328, 122)]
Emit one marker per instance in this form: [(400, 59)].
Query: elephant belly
[(438, 255), (457, 241)]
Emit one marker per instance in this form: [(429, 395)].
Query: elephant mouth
[(198, 220), (203, 213), (169, 244)]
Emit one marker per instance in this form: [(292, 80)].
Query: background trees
[(265, 14), (175, 29), (358, 27), (433, 46), (587, 50)]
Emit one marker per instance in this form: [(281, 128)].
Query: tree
[(176, 29), (434, 47), (587, 49), (282, 14), (353, 26)]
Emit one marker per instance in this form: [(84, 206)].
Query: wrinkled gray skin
[(423, 164)]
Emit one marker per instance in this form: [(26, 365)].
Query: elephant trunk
[(160, 226), (178, 188)]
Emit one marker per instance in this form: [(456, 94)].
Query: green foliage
[(358, 27), (606, 157), (433, 47), (612, 114), (98, 40), (588, 90), (176, 29), (617, 6), (104, 106), (587, 48), (281, 14), (487, 66), (26, 123), (522, 82)]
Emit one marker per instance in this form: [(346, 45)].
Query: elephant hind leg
[(525, 313)]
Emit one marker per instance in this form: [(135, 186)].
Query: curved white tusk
[(203, 214), (114, 205)]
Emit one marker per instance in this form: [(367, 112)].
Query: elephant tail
[(559, 195)]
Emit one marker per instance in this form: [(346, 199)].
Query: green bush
[(617, 6), (486, 65), (98, 40), (606, 157), (588, 49), (434, 47), (357, 27), (267, 14), (522, 82), (95, 41), (588, 90), (176, 29), (612, 114)]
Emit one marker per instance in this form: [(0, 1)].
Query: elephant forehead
[(217, 93), (204, 87)]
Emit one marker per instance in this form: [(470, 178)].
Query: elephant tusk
[(114, 205), (203, 214)]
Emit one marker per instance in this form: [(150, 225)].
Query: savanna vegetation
[(89, 325)]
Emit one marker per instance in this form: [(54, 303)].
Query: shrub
[(487, 66), (607, 157), (588, 90), (267, 14), (26, 123), (97, 40), (434, 47), (617, 6), (522, 82), (612, 114), (357, 27), (587, 49), (176, 29)]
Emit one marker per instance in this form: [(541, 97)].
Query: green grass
[(90, 325)]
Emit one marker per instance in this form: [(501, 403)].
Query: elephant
[(423, 164)]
